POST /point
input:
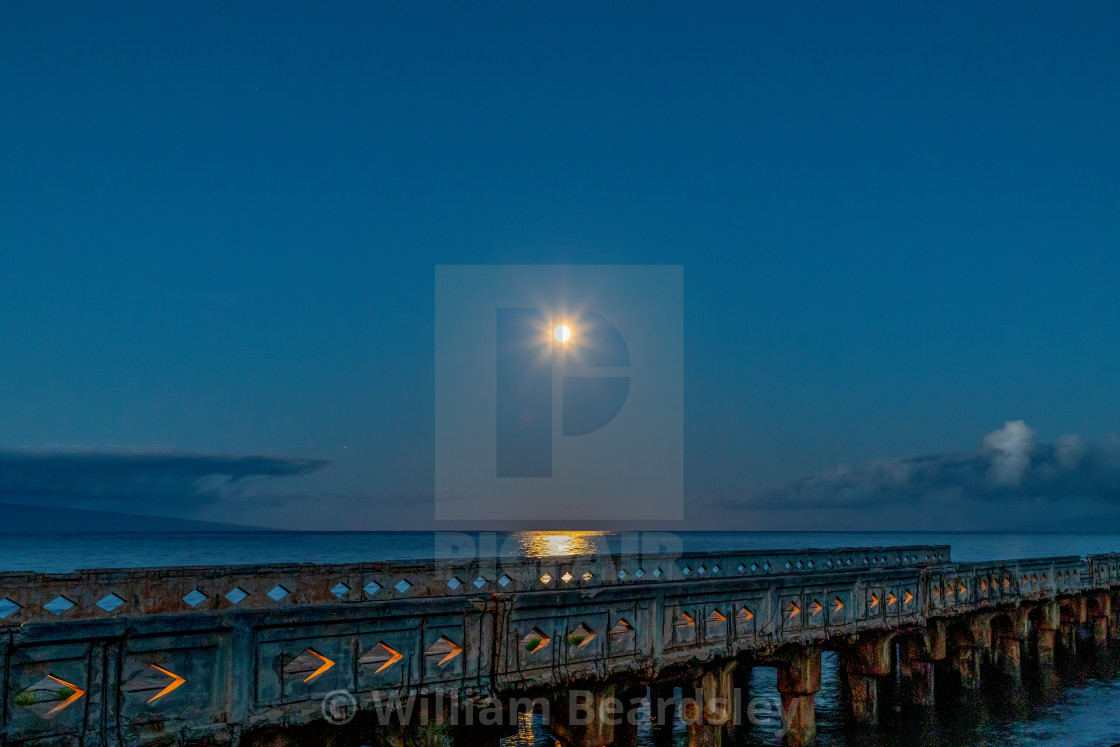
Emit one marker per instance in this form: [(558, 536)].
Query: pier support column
[(917, 657), (1101, 612), (710, 710), (968, 645), (1067, 638), (915, 665), (866, 664), (1114, 616), (1047, 620), (595, 716), (1074, 615), (1009, 640), (799, 680)]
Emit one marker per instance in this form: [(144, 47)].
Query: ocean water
[(1080, 709), (63, 552)]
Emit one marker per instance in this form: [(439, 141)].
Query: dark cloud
[(1009, 465), (148, 480)]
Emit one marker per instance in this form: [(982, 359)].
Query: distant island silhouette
[(19, 519)]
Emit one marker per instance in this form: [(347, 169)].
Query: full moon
[(562, 333)]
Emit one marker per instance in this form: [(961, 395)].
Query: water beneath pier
[(1082, 709)]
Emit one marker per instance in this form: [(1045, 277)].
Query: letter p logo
[(531, 352), (559, 392)]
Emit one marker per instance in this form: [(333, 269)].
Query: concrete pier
[(248, 654)]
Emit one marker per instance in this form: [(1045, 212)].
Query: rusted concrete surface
[(153, 667)]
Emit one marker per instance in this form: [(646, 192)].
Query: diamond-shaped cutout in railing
[(622, 573), (371, 588), (277, 593), (402, 586), (110, 602), (340, 589), (8, 607), (153, 683), (566, 577), (741, 568), (715, 569), (766, 566), (382, 656), (48, 696), (754, 566), (535, 640), (622, 632), (195, 598), (657, 573), (546, 578), (237, 595), (829, 563), (443, 651), (639, 573), (686, 570), (454, 583), (308, 666), (479, 582), (701, 570), (581, 636), (587, 576), (58, 605), (788, 565), (505, 580), (684, 628)]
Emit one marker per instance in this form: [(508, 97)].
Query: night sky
[(899, 227)]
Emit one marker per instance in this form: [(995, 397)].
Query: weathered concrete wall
[(155, 666)]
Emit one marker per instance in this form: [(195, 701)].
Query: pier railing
[(107, 593)]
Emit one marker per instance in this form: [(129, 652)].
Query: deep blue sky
[(899, 224)]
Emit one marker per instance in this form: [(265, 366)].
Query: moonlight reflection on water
[(547, 544)]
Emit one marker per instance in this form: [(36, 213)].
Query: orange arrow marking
[(794, 610), (908, 599), (874, 601), (891, 599), (176, 680), (455, 651), (394, 657), (839, 605), (327, 664), (450, 650), (963, 589), (815, 608), (78, 692), (748, 613)]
